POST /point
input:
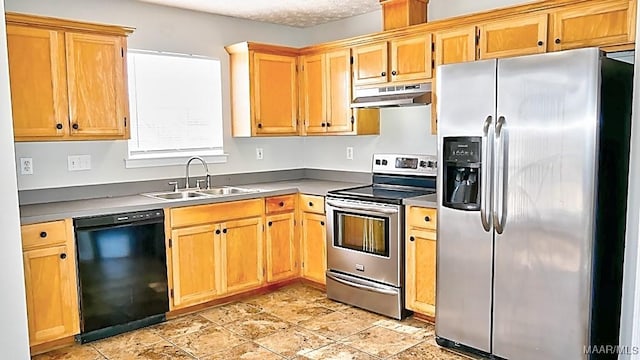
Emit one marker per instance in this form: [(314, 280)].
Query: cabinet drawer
[(312, 203), (422, 217), (43, 234), (212, 213), (280, 203)]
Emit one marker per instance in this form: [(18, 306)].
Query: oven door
[(363, 239)]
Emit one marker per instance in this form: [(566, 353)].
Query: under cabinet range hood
[(387, 96)]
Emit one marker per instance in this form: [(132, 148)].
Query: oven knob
[(431, 164), (384, 162), (423, 163), (377, 161)]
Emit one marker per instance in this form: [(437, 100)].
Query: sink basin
[(181, 195), (225, 190)]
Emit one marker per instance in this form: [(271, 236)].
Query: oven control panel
[(405, 164)]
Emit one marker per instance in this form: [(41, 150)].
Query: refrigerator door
[(544, 204), (466, 107)]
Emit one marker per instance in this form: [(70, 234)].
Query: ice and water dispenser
[(462, 172)]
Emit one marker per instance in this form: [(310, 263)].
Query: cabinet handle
[(412, 238), (281, 203), (323, 124), (384, 73), (394, 73), (224, 231), (557, 41), (259, 126), (63, 256), (59, 126), (310, 203), (270, 223), (540, 43), (322, 223), (43, 234), (427, 219), (218, 232), (75, 126)]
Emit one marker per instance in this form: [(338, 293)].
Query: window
[(176, 108)]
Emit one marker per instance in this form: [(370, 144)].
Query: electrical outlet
[(79, 162), (349, 153), (26, 166), (259, 154)]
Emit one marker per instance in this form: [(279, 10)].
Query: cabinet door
[(594, 24), (242, 264), (52, 298), (96, 82), (315, 110), (314, 252), (455, 46), (194, 255), (411, 58), (370, 64), (282, 262), (421, 271), (38, 82), (338, 80), (275, 94), (512, 37)]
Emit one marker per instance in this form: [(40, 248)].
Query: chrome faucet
[(206, 169)]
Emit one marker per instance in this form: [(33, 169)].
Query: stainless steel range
[(365, 253)]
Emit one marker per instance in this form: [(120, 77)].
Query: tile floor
[(296, 322)]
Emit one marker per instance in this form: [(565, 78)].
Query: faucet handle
[(175, 185), (198, 182)]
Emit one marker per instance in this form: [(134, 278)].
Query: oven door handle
[(376, 289), (352, 206)]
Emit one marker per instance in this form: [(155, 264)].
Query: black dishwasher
[(122, 272)]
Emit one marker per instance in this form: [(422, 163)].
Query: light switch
[(79, 162)]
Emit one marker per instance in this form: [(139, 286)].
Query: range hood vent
[(387, 96)]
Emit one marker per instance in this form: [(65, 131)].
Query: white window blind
[(175, 105)]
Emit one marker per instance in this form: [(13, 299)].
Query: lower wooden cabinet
[(420, 261), (50, 281), (314, 251), (241, 250), (282, 259)]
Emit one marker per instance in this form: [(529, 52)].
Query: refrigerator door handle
[(499, 181), (485, 194)]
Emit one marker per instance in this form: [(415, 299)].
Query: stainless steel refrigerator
[(533, 165)]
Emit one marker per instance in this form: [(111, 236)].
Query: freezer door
[(466, 100), (544, 204)]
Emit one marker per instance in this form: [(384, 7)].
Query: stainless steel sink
[(181, 195), (225, 190), (200, 194)]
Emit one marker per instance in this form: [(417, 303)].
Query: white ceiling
[(299, 13)]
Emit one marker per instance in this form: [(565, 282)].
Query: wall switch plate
[(79, 162), (259, 154), (349, 153), (26, 166)]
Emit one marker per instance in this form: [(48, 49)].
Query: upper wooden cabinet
[(455, 46), (601, 23), (521, 35), (68, 79), (399, 60), (264, 91)]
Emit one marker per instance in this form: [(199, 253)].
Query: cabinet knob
[(323, 124), (310, 203), (63, 256), (328, 124), (557, 41), (384, 73), (270, 223), (540, 43), (43, 234), (412, 238), (224, 231), (259, 126), (394, 73), (218, 232), (75, 126), (427, 219), (281, 203), (59, 126), (322, 223)]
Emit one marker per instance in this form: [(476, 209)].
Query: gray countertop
[(430, 201), (36, 213)]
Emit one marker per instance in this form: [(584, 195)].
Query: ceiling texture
[(298, 13)]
